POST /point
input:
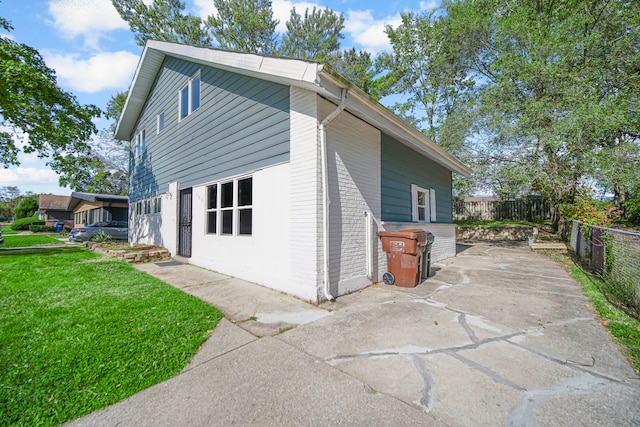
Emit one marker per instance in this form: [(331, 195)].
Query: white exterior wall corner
[(156, 229), (305, 201), (354, 168)]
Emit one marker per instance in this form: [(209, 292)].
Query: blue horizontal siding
[(401, 166), (242, 125)]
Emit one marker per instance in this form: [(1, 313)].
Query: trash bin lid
[(413, 234)]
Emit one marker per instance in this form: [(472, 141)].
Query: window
[(190, 97), (212, 212), (140, 143), (245, 201), (423, 204), (157, 205), (160, 122), (229, 208)]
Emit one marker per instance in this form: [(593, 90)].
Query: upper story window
[(189, 96), (160, 122), (423, 204), (140, 143)]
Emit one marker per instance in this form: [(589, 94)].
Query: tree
[(27, 207), (162, 20), (10, 197), (244, 26), (355, 66), (106, 169), (315, 37), (33, 109), (426, 69)]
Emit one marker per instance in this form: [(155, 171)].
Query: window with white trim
[(423, 204), (229, 208), (160, 122), (140, 143), (189, 97)]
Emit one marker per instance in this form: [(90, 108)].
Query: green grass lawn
[(79, 332), (29, 240), (624, 328), (7, 230)]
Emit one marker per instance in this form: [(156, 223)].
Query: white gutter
[(325, 193)]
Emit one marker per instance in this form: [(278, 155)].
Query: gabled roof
[(291, 72), (52, 202), (77, 197)]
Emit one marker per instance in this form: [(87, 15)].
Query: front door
[(184, 239)]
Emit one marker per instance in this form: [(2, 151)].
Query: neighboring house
[(52, 209), (263, 168), (90, 208)]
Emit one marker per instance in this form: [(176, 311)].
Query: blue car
[(118, 230)]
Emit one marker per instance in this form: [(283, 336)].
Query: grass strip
[(80, 332), (624, 328), (7, 230), (29, 240)]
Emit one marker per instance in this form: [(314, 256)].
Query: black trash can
[(426, 256)]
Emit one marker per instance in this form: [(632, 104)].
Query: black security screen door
[(184, 239)]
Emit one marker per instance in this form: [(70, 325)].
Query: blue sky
[(94, 54)]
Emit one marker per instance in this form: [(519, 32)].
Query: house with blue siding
[(275, 170)]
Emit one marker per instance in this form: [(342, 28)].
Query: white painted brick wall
[(354, 179), (444, 244), (305, 196)]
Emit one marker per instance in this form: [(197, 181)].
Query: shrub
[(101, 237), (591, 212), (632, 211), (24, 223), (41, 229)]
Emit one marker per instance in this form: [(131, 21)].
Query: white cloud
[(33, 179), (281, 10), (204, 8), (88, 18), (107, 70), (428, 5), (369, 32)]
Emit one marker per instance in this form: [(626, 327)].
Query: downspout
[(325, 194)]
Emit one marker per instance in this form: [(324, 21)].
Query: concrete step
[(549, 246)]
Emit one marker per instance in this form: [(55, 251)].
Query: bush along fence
[(614, 255), (518, 210)]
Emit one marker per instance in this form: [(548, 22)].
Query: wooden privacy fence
[(518, 210)]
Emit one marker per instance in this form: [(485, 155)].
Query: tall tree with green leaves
[(558, 82), (36, 115), (314, 36), (244, 26), (106, 169), (162, 20), (425, 69)]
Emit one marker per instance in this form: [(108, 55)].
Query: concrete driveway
[(499, 336)]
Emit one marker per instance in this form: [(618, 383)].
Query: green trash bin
[(426, 256)]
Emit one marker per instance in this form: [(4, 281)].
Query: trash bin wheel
[(388, 278)]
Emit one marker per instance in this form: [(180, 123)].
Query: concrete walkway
[(499, 336)]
